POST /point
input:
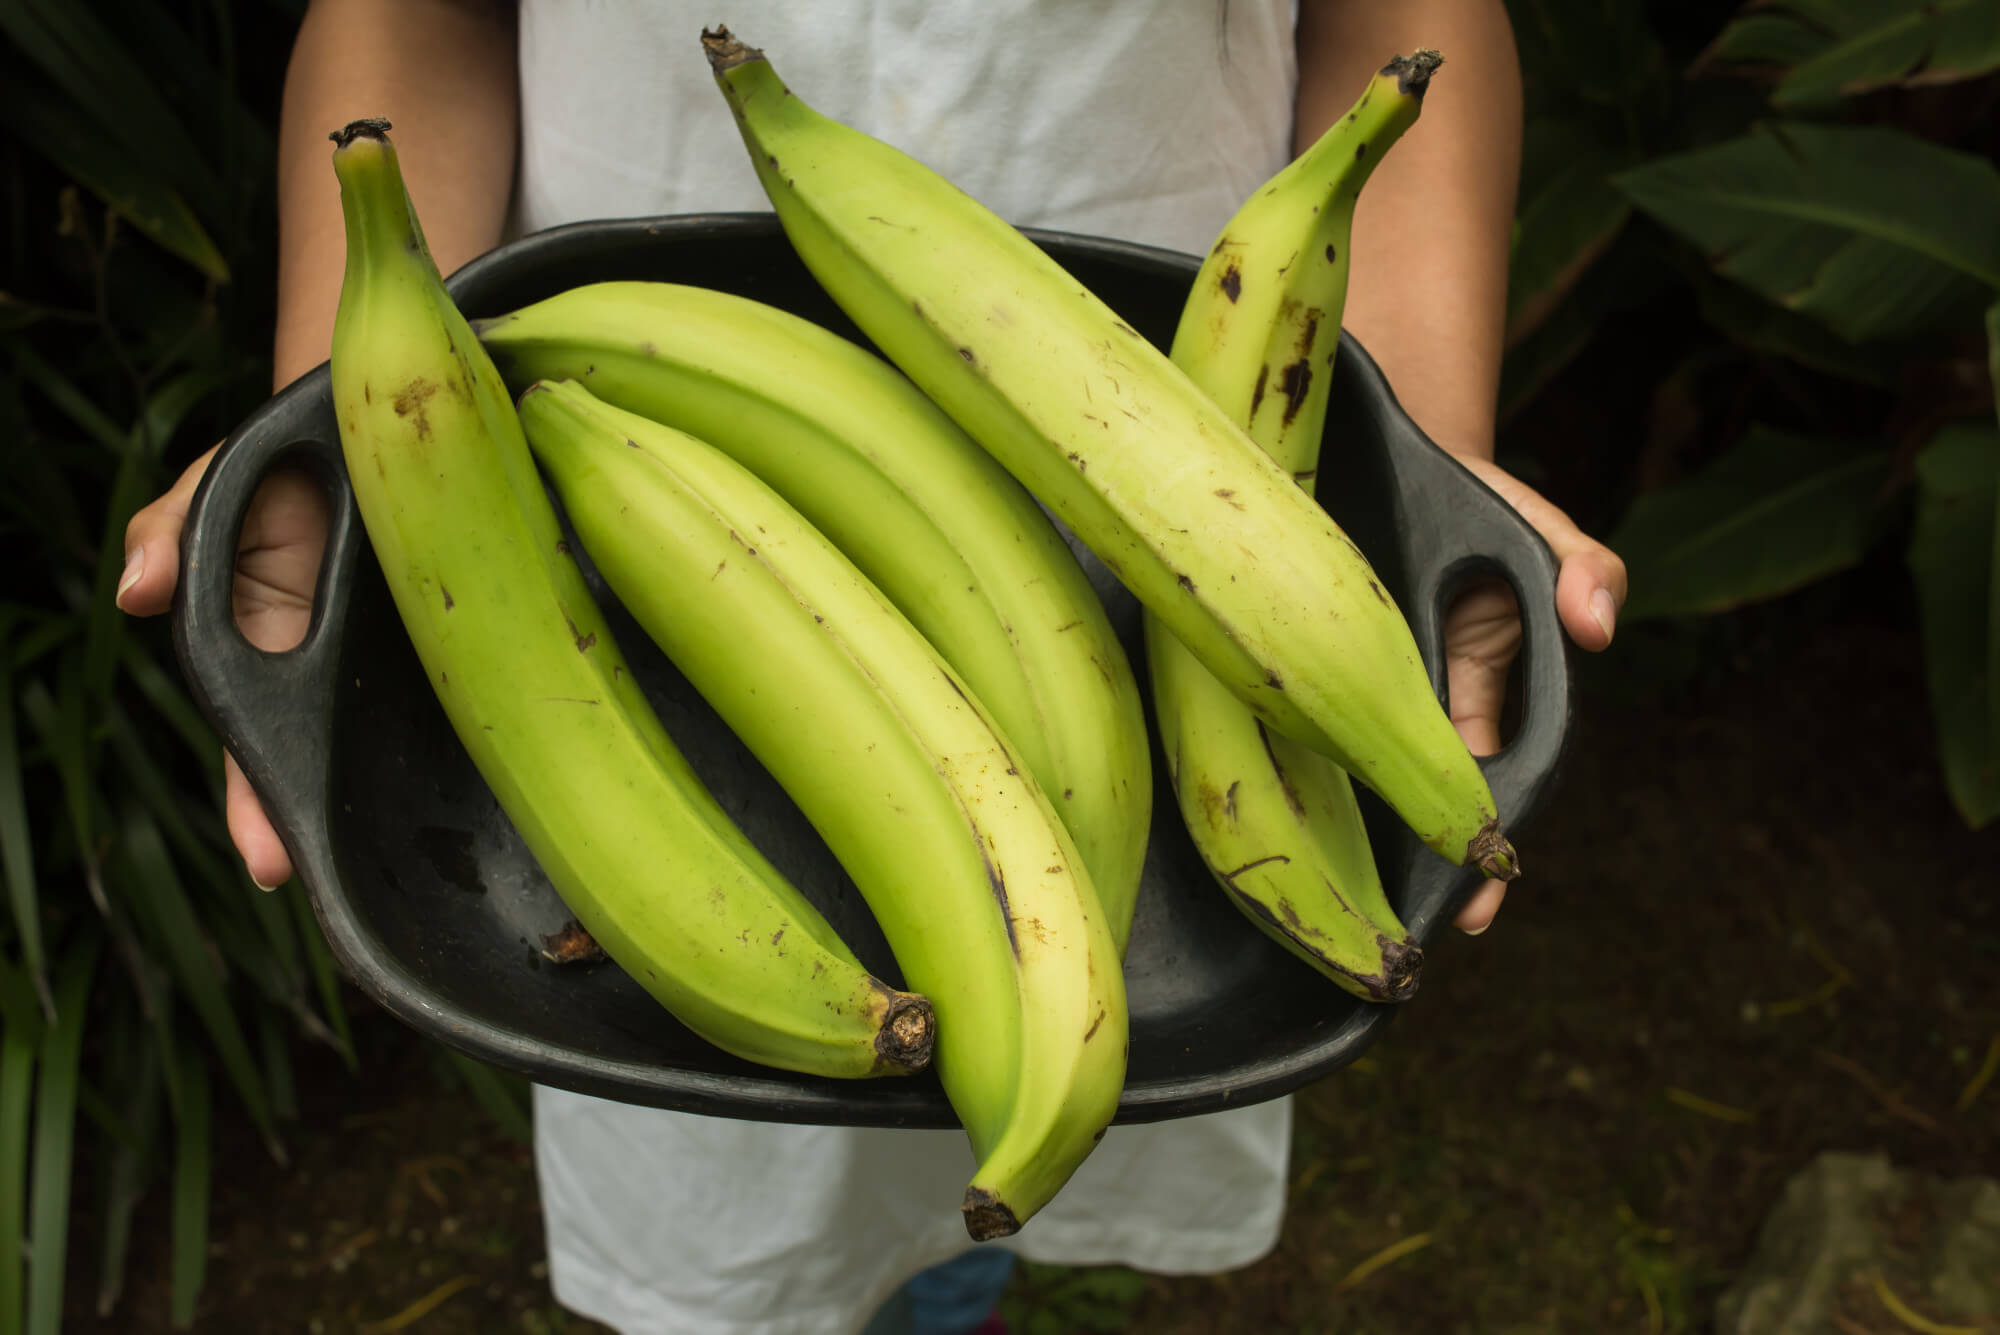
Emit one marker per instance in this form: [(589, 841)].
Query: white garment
[(1147, 120)]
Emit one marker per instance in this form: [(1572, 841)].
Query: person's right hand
[(277, 566)]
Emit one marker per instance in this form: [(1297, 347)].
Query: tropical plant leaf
[(170, 699), (1601, 52), (55, 1138), (106, 83), (1873, 231), (17, 844), (1838, 48), (503, 1096), (1772, 514), (133, 1067), (1952, 557), (1628, 276), (193, 1137), (154, 890), (17, 1088), (1569, 215), (103, 165), (1766, 327), (325, 973), (60, 729)]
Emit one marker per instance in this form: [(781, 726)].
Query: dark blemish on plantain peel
[(1295, 383), (1329, 253), (1186, 583), (966, 353), (562, 547), (448, 603), (411, 400), (1378, 591), (1231, 282)]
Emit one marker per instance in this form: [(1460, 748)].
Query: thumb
[(153, 545), (1590, 584)]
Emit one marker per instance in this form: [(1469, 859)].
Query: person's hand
[(277, 565), (1482, 634)]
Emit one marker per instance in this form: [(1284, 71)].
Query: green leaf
[(75, 403), (193, 1135), (1768, 328), (277, 1044), (104, 82), (1570, 214), (17, 847), (1601, 52), (325, 973), (170, 699), (1628, 276), (1952, 561), (1769, 37), (17, 1088), (503, 1096), (55, 1136), (101, 164), (153, 887), (69, 751), (134, 1068), (1772, 514), (1839, 48), (1873, 231)]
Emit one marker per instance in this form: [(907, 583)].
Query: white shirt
[(1145, 120)]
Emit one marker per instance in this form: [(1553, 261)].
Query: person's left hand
[(1482, 634)]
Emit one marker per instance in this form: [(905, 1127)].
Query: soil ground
[(1752, 928)]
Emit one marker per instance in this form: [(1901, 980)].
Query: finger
[(153, 546), (1591, 586), (1480, 910), (1482, 634), (264, 855), (278, 558)]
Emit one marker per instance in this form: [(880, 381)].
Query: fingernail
[(1604, 611), (1477, 931), (135, 566), (267, 889)]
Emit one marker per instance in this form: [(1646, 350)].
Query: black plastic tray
[(436, 909)]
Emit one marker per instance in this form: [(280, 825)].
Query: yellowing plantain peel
[(534, 686), (953, 541), (1165, 488), (964, 862), (1277, 822)]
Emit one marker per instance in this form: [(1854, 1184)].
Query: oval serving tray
[(437, 911)]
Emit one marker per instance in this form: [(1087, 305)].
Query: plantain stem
[(724, 52), (1413, 72)]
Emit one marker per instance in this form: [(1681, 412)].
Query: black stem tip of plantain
[(1402, 966), (374, 127), (1491, 853), (908, 1035), (724, 52), (987, 1216), (1413, 72)]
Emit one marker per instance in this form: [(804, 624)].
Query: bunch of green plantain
[(847, 555)]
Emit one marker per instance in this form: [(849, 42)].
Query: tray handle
[(252, 697), (1455, 529)]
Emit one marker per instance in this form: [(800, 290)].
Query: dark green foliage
[(1791, 210)]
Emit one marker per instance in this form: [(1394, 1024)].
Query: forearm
[(443, 73), (1427, 294)]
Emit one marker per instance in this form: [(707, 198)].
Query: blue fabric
[(948, 1299)]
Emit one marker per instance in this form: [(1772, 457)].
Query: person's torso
[(1146, 120)]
